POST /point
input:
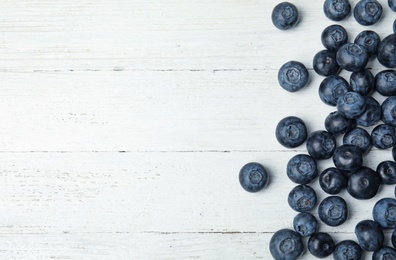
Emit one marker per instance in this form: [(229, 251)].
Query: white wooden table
[(125, 123)]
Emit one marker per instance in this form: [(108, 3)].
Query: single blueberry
[(325, 64), (286, 244), (331, 88), (285, 16), (371, 115), (348, 158), (336, 10), (394, 153), (332, 180), (291, 132), (321, 244), (392, 5), (369, 40), (388, 109), (383, 136), (384, 253), (393, 238), (385, 82), (347, 250), (386, 53), (387, 172), (302, 169), (358, 137), (335, 123), (305, 224), (369, 235), (333, 37), (363, 184), (293, 76), (302, 198), (333, 211), (352, 57), (362, 82), (384, 213), (321, 145), (351, 105), (253, 177), (367, 12)]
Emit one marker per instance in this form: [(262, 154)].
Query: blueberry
[(347, 250), (384, 253), (333, 211), (333, 37), (332, 180), (293, 76), (393, 238), (253, 177), (371, 115), (383, 136), (291, 132), (386, 53), (335, 123), (387, 172), (369, 40), (362, 82), (394, 153), (394, 26), (286, 244), (331, 88), (321, 145), (385, 82), (352, 57), (325, 64), (336, 10), (321, 244), (302, 169), (392, 5), (388, 109), (358, 137), (363, 184), (305, 224), (367, 12), (348, 158), (285, 16), (351, 105), (369, 235), (302, 198), (384, 213)]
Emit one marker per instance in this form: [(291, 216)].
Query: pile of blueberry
[(356, 111)]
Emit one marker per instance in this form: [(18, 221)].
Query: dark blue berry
[(305, 224), (388, 109), (384, 213), (335, 123), (291, 132), (286, 244), (369, 235), (351, 105), (394, 153), (362, 82), (333, 37), (369, 40), (332, 180), (384, 253), (347, 250), (363, 184), (372, 113), (302, 198), (337, 10), (321, 145), (383, 136), (367, 12), (302, 169), (387, 172), (385, 82), (285, 16), (386, 54), (321, 244), (352, 57), (393, 238), (253, 177), (348, 158), (333, 211), (293, 76), (331, 88), (358, 137), (392, 5), (325, 64)]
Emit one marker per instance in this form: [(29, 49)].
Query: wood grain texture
[(125, 123)]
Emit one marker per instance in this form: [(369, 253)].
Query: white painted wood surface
[(125, 123)]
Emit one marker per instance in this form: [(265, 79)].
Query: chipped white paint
[(125, 123)]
